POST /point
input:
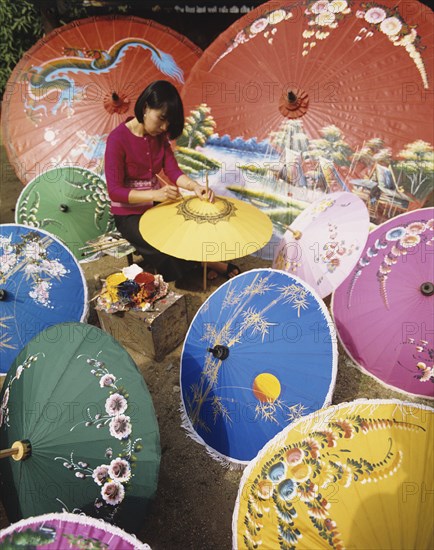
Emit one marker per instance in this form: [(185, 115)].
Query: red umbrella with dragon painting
[(78, 83)]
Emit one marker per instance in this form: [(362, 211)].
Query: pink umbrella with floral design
[(384, 309), (325, 241), (63, 530)]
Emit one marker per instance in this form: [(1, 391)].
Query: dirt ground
[(196, 494)]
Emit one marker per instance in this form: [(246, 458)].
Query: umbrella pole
[(296, 234), (20, 450), (204, 275), (4, 453)]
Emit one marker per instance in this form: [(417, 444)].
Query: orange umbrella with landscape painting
[(311, 96)]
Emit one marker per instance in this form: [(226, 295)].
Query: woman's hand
[(167, 192), (202, 192)]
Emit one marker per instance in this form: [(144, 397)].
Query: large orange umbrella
[(81, 81), (321, 96)]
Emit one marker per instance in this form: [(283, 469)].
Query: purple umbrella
[(64, 530), (384, 309)]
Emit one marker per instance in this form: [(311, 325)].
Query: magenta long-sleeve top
[(132, 162)]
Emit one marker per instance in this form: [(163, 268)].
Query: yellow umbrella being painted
[(203, 231), (357, 475)]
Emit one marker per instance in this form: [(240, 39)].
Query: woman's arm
[(115, 172), (114, 168), (167, 192)]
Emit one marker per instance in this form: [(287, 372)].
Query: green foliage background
[(20, 28)]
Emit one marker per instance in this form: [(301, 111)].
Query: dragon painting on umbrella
[(81, 81), (56, 75)]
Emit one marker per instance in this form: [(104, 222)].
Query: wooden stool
[(154, 332)]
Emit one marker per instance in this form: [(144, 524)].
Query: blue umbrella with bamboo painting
[(258, 355), (41, 284)]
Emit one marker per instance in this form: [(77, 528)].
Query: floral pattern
[(335, 249), (265, 26), (112, 478), (30, 256), (424, 360), (323, 16), (315, 247), (295, 480), (388, 21), (4, 409), (394, 244)]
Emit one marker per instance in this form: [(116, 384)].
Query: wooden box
[(155, 332)]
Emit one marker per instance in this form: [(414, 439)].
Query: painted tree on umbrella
[(310, 97), (245, 361)]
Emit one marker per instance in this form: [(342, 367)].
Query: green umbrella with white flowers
[(69, 202), (78, 431)]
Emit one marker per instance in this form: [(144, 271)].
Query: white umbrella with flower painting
[(41, 284), (384, 309), (78, 430), (325, 241)]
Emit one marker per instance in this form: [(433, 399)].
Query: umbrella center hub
[(206, 212), (219, 352), (427, 288), (116, 103), (2, 294), (294, 103)]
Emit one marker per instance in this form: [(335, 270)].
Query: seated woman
[(136, 151)]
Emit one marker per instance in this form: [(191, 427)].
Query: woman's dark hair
[(161, 94)]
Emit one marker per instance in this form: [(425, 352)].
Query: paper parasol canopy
[(306, 97), (356, 475), (259, 353), (59, 531), (70, 202), (195, 229), (76, 84), (41, 284), (325, 241), (384, 310), (78, 430)]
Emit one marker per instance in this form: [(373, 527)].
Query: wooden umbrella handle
[(20, 450), (295, 233)]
